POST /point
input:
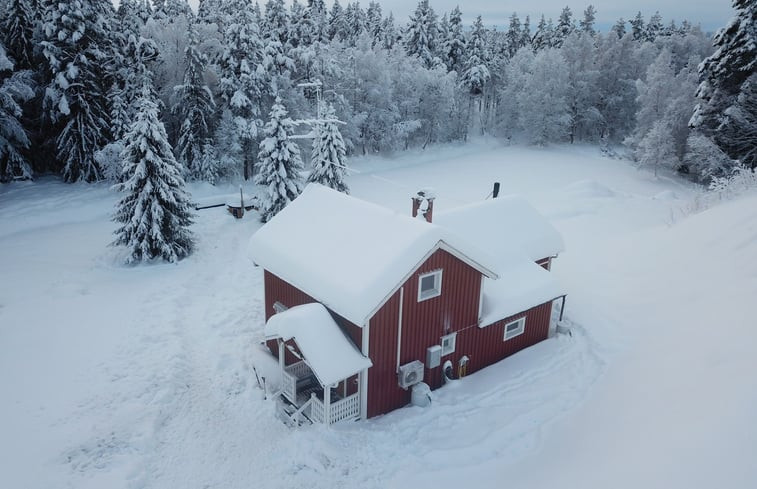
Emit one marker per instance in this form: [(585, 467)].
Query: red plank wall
[(425, 322), (278, 290)]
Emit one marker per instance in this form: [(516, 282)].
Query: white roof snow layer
[(325, 348), (522, 285), (350, 254), (504, 227)]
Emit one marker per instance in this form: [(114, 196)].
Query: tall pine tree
[(76, 47), (280, 164), (195, 106), (329, 154), (727, 79), (155, 211), (15, 88)]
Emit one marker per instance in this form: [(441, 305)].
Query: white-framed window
[(515, 328), (448, 343), (429, 285), (279, 307)]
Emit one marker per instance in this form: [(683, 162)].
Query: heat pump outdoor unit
[(410, 374)]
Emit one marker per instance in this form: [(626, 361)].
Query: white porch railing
[(341, 410), (289, 378)]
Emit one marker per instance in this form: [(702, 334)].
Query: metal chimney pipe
[(495, 192)]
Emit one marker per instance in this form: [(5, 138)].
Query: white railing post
[(327, 404)]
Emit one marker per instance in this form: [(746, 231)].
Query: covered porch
[(324, 384)]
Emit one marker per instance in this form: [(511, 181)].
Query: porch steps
[(286, 411)]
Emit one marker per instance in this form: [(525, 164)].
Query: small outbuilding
[(362, 303)]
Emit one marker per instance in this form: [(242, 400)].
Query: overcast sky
[(711, 14)]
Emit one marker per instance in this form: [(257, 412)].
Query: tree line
[(77, 78)]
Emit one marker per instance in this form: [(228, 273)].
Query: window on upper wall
[(429, 285), (515, 328)]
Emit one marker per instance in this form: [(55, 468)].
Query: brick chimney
[(427, 209)]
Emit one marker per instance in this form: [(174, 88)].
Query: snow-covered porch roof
[(523, 286), (330, 354)]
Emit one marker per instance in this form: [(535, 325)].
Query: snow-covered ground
[(115, 377)]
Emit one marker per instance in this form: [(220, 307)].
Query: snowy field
[(115, 377)]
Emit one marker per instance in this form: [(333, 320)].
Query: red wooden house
[(363, 303)]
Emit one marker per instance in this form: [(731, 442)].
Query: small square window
[(448, 343), (429, 285), (515, 328)]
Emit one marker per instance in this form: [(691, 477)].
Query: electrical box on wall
[(433, 356)]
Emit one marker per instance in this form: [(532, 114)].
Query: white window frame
[(451, 347), (437, 290), (516, 332), (279, 307)]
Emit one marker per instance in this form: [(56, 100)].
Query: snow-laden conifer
[(155, 211), (329, 154), (194, 106), (476, 73), (280, 164), (17, 25), (242, 85), (15, 88), (454, 46), (76, 48), (724, 84), (422, 33)]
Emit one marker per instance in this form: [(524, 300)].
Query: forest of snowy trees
[(226, 81)]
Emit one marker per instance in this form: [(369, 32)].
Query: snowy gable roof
[(504, 227), (325, 348), (522, 286), (349, 254)]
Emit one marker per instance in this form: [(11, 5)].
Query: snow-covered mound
[(589, 189)]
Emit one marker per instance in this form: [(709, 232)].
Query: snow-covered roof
[(522, 285), (503, 227), (325, 348), (349, 254)]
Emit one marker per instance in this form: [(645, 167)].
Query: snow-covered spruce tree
[(17, 25), (513, 36), (15, 88), (454, 45), (587, 23), (619, 28), (155, 211), (421, 36), (280, 164), (724, 77), (329, 154), (242, 85), (637, 27), (195, 106), (544, 35), (565, 26), (391, 36), (476, 73), (375, 23), (76, 47), (338, 30)]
